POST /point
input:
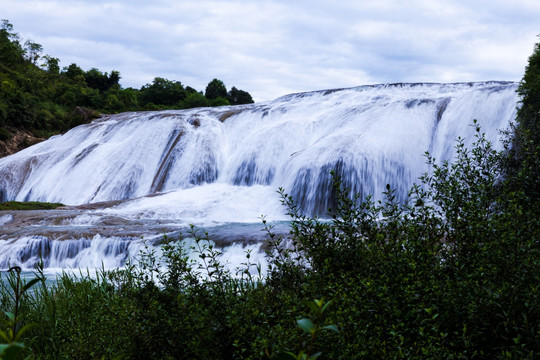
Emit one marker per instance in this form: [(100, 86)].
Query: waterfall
[(216, 166)]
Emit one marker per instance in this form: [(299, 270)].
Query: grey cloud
[(274, 47)]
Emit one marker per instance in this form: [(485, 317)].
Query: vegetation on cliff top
[(36, 95)]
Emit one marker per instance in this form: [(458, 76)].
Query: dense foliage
[(36, 95), (451, 273), (522, 162)]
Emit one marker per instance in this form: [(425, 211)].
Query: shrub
[(452, 273), (447, 274), (4, 134)]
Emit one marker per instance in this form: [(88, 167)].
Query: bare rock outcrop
[(19, 140)]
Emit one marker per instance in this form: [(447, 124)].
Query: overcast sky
[(272, 47)]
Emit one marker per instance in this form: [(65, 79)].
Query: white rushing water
[(214, 167)]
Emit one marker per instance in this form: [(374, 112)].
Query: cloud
[(271, 48)]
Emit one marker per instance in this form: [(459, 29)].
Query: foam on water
[(96, 252), (4, 219), (206, 205)]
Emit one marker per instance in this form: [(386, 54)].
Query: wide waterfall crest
[(371, 135), (159, 171)]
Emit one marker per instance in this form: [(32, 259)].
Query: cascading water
[(219, 168)]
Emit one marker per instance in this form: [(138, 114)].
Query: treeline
[(37, 95)]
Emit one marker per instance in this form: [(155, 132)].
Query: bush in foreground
[(453, 273)]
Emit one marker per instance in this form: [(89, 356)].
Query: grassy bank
[(28, 205)]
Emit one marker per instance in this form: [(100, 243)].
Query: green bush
[(4, 134), (14, 294), (452, 273), (28, 205), (448, 274)]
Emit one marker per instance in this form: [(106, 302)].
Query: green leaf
[(312, 305), (24, 329), (286, 356), (4, 336), (306, 325), (331, 327), (30, 284), (10, 351), (10, 315), (325, 306)]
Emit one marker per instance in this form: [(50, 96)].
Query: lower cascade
[(141, 175)]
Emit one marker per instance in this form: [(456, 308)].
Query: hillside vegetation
[(452, 273), (42, 99)]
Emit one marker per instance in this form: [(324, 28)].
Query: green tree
[(162, 92), (215, 88), (51, 64), (195, 99), (128, 98), (11, 52), (529, 89), (74, 73), (101, 81), (523, 161), (35, 94), (239, 97), (33, 51)]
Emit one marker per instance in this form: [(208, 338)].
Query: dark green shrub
[(14, 294), (5, 134), (220, 101), (193, 100), (447, 274), (215, 89), (452, 273)]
